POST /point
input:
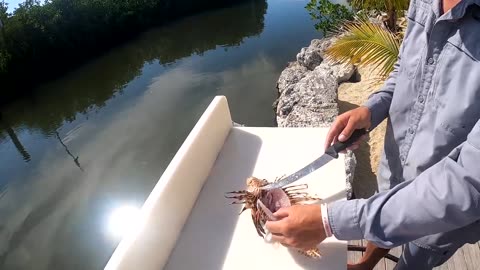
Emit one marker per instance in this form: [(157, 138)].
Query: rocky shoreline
[(308, 94)]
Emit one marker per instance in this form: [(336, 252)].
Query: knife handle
[(340, 146)]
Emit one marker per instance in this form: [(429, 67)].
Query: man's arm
[(444, 197), (368, 116), (379, 102)]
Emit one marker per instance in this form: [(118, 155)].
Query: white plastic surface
[(169, 204), (214, 236)]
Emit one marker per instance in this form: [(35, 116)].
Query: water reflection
[(89, 88), (119, 113), (75, 159), (14, 138), (123, 220)]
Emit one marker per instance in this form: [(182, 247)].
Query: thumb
[(347, 131), (281, 213)]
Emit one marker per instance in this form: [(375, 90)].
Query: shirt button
[(421, 99), (402, 159), (411, 131), (431, 61)]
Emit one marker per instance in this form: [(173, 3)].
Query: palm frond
[(366, 43)]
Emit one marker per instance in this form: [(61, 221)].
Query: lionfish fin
[(243, 209)]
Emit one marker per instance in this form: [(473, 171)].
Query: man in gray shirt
[(429, 174)]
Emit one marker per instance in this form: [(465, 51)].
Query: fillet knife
[(330, 154)]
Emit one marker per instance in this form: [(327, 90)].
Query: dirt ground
[(350, 96)]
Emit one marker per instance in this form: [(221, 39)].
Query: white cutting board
[(187, 222)]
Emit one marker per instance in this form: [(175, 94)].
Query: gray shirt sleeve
[(379, 102), (442, 198)]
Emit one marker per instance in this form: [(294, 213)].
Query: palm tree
[(364, 42)]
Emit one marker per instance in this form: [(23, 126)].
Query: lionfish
[(273, 199)]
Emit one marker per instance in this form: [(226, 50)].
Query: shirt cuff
[(343, 219), (377, 110)]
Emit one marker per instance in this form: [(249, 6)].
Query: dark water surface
[(98, 139)]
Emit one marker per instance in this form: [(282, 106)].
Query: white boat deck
[(187, 223)]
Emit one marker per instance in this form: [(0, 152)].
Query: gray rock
[(290, 76), (316, 93), (304, 117), (322, 44), (350, 164), (342, 72), (310, 57), (308, 94)]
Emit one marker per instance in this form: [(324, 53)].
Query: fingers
[(356, 144), (278, 238), (281, 213), (347, 131), (275, 227), (332, 134), (346, 123), (284, 241)]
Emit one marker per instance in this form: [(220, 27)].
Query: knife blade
[(330, 154)]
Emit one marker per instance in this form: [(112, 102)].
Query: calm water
[(98, 139)]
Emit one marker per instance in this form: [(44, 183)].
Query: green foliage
[(328, 15), (381, 5), (92, 85), (3, 11), (363, 42), (4, 55), (44, 39), (367, 43), (4, 58), (391, 7)]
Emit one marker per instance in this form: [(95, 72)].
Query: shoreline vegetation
[(42, 41), (369, 32), (91, 86), (338, 73)]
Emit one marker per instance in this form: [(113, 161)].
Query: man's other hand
[(346, 123), (298, 226)]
